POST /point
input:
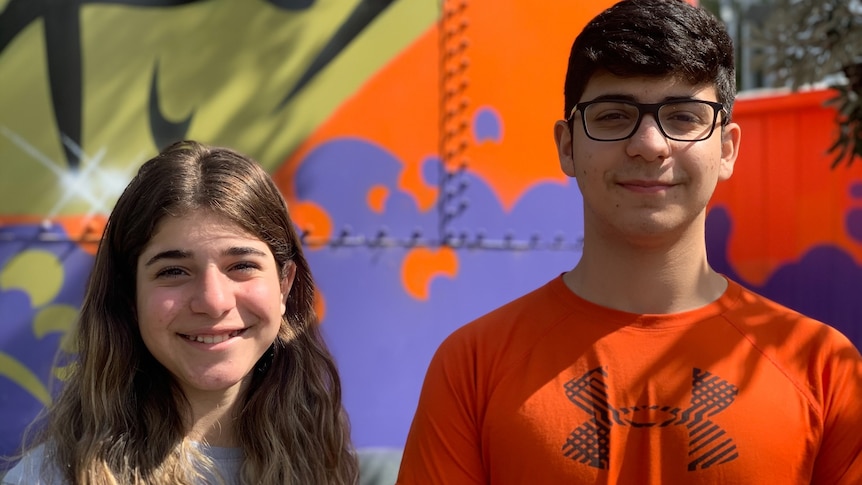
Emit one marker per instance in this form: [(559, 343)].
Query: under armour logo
[(708, 444)]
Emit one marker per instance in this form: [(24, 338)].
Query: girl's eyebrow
[(183, 254), (243, 251), (169, 254)]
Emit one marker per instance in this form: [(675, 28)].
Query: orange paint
[(421, 265), (377, 196), (319, 305), (398, 109), (313, 220), (783, 197), (515, 58), (85, 231), (518, 58)]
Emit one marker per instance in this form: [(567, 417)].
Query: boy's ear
[(563, 140), (730, 137)]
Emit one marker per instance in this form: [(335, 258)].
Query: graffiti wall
[(786, 224), (413, 142)]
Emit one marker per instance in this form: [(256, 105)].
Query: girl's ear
[(289, 273)]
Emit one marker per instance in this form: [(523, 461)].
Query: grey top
[(29, 471), (377, 466)]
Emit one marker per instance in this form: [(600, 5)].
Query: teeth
[(212, 339)]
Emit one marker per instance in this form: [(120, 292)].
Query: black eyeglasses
[(681, 120)]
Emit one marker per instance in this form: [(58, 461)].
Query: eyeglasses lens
[(685, 121)]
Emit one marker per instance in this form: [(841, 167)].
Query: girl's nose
[(214, 294)]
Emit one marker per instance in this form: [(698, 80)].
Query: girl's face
[(210, 301)]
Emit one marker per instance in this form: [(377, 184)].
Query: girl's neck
[(213, 420)]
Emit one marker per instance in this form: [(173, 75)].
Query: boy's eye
[(684, 116), (612, 116)]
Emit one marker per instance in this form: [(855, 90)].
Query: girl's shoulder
[(31, 470)]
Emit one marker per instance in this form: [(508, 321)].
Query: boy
[(642, 365)]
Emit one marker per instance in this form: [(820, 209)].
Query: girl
[(199, 358)]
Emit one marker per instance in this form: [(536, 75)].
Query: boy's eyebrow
[(182, 254), (629, 97)]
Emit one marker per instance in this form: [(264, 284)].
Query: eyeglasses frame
[(650, 108)]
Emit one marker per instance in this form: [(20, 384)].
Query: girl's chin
[(212, 384)]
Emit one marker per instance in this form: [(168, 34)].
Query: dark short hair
[(653, 38)]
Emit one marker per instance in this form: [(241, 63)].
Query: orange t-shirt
[(551, 388)]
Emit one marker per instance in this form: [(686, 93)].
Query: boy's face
[(647, 187)]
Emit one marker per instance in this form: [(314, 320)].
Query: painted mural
[(413, 142)]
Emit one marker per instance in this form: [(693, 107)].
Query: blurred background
[(413, 142)]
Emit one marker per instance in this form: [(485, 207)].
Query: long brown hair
[(119, 416)]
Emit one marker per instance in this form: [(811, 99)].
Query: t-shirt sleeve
[(444, 442), (30, 471), (839, 460)]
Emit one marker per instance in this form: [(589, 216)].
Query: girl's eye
[(170, 272), (245, 266)]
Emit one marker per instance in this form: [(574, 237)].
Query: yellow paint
[(229, 65), (54, 318), (24, 377), (64, 372), (38, 273)]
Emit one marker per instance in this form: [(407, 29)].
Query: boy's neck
[(658, 277)]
